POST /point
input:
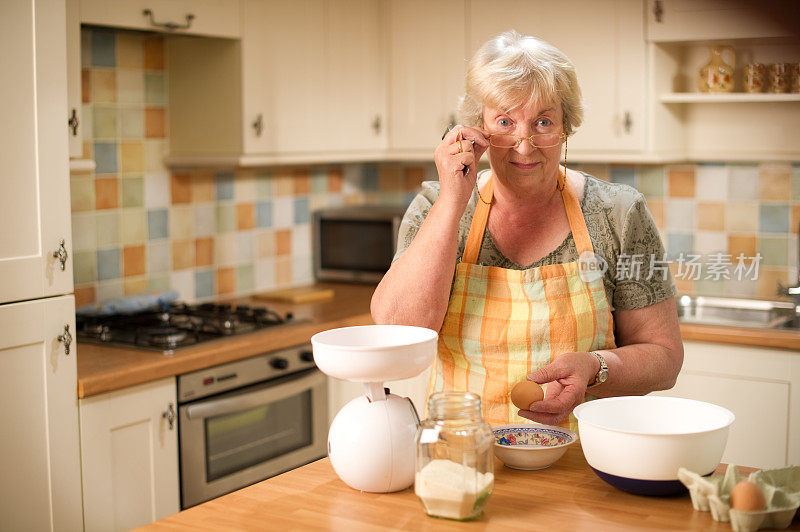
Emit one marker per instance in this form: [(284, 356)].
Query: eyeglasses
[(540, 140)]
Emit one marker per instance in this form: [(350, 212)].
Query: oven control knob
[(307, 356), (279, 363)]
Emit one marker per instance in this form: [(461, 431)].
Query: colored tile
[(130, 52), (183, 283), (154, 152), (283, 183), (265, 274), (112, 289), (742, 244), (135, 285), (263, 185), (158, 284), (336, 179), (600, 171), (773, 218), (84, 231), (130, 86), (180, 188), (742, 217), (710, 287), (768, 279), (103, 43), (711, 216), (226, 280), (131, 157), (301, 240), (283, 211), (84, 296), (225, 218), (85, 266), (131, 123), (81, 193), (655, 206), (155, 122), (301, 211), (134, 226), (105, 157), (245, 216), (774, 250), (106, 190), (202, 187), (369, 176), (154, 90), (133, 191), (283, 242), (679, 214), (794, 224), (623, 174), (775, 182), (795, 177), (681, 182), (108, 264), (711, 182), (157, 223), (319, 178), (302, 270), (104, 85), (203, 283), (88, 147), (159, 256), (133, 260), (224, 185), (181, 222), (743, 182), (264, 214), (265, 244), (710, 242), (244, 247), (283, 271), (86, 85), (104, 123), (182, 254), (245, 278), (157, 189), (302, 180), (154, 53), (651, 181), (225, 249), (413, 176), (204, 220), (204, 251), (679, 243), (108, 229), (244, 185)]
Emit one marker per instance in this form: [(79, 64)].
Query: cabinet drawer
[(218, 18)]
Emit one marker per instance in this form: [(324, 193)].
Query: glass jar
[(455, 458)]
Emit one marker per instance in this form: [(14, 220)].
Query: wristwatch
[(602, 375)]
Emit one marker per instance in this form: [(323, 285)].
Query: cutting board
[(303, 294)]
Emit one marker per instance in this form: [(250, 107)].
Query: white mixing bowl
[(638, 443)]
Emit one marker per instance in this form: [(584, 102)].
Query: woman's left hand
[(567, 378)]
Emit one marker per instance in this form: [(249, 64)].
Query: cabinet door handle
[(169, 415), (61, 255), (66, 339), (627, 122), (258, 125), (73, 122), (169, 26), (376, 124), (658, 11)]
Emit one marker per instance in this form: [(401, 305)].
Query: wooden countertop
[(103, 369), (565, 496)]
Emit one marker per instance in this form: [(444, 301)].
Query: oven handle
[(254, 399)]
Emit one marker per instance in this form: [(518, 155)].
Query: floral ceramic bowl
[(531, 446)]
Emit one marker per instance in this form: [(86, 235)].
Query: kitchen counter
[(103, 369), (565, 496)]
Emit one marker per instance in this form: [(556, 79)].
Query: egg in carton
[(781, 489)]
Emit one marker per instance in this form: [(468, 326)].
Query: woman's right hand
[(462, 147)]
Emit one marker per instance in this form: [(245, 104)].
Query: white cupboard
[(40, 485), (129, 450), (761, 386)]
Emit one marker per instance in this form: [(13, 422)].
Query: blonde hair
[(513, 70)]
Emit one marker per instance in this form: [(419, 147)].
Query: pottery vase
[(717, 75)]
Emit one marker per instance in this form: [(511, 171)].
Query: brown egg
[(526, 392), (747, 497)]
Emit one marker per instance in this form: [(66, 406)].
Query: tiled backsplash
[(139, 227)]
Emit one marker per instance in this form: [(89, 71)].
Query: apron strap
[(577, 224)]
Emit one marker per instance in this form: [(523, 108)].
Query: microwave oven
[(355, 243)]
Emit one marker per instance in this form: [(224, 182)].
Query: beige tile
[(132, 155), (225, 249), (741, 216), (265, 244), (130, 50), (134, 226), (181, 222), (768, 279), (104, 85), (711, 216), (283, 271), (202, 187), (154, 152), (82, 192), (283, 183), (775, 182), (182, 254), (656, 208), (130, 86), (135, 286)]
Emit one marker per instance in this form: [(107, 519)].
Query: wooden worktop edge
[(776, 338)]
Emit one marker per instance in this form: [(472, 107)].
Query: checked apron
[(502, 324)]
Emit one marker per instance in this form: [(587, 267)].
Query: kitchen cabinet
[(427, 67), (761, 386), (129, 451), (217, 18), (34, 187), (40, 487), (604, 39), (306, 83), (74, 107)]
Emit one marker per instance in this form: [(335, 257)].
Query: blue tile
[(104, 49), (108, 264), (679, 243), (158, 223), (623, 174), (203, 283), (105, 157), (773, 218), (369, 177), (301, 211), (224, 186), (264, 214)]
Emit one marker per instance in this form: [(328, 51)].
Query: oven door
[(235, 439)]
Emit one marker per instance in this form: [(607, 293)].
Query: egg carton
[(781, 489)]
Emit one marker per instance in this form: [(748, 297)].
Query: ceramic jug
[(717, 75)]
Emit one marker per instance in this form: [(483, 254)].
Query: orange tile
[(413, 176), (768, 279), (204, 251), (283, 271), (681, 182), (283, 242), (656, 208), (132, 155), (181, 188), (302, 181), (711, 216), (390, 178), (335, 179), (245, 216), (775, 182), (684, 285), (203, 187), (84, 295), (226, 280), (86, 85), (135, 285), (154, 53), (182, 254), (155, 122), (106, 192), (104, 86), (133, 261), (795, 219), (741, 243), (600, 171), (284, 183)]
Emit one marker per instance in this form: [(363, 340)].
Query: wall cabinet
[(761, 386), (129, 451)]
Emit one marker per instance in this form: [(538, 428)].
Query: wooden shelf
[(734, 97)]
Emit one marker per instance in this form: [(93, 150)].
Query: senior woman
[(497, 261)]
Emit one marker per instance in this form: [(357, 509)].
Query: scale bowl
[(374, 353)]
